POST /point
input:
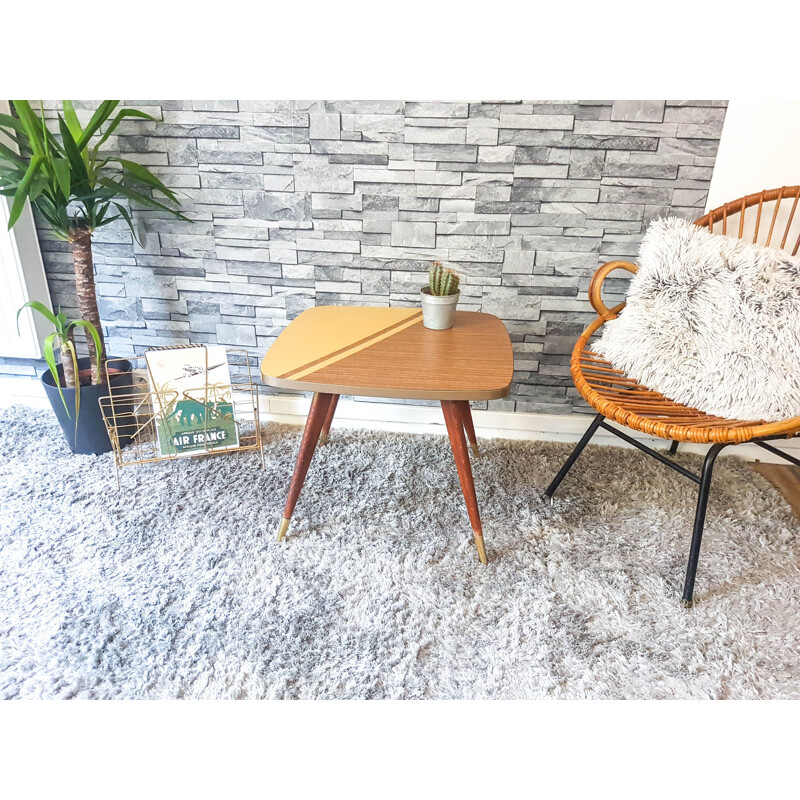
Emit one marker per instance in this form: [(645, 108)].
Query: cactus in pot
[(442, 281), (440, 297)]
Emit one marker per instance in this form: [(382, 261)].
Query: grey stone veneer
[(327, 202)]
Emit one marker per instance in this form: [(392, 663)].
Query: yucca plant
[(63, 338), (76, 188), (442, 281)]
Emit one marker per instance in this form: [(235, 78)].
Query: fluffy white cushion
[(711, 322)]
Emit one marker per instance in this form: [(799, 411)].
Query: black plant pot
[(91, 436)]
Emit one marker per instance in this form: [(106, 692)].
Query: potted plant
[(440, 297), (73, 372), (76, 188)]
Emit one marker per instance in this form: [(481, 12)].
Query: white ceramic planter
[(438, 312)]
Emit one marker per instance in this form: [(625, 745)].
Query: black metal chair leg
[(673, 448), (574, 455), (699, 523)]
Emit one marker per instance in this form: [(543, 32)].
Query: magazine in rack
[(191, 395)]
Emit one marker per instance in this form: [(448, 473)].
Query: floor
[(176, 586)]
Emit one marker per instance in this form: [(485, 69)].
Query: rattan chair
[(769, 218)]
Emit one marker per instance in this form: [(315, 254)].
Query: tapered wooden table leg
[(316, 418), (326, 427), (455, 429), (465, 412)]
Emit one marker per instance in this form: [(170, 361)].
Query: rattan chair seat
[(629, 403)]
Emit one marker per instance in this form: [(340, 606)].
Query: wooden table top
[(387, 352)]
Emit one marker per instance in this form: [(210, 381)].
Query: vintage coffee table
[(386, 352)]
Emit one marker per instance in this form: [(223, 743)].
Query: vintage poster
[(191, 390)]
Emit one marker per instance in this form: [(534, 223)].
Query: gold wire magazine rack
[(143, 419)]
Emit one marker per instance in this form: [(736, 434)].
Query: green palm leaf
[(61, 168), (50, 358), (143, 175), (74, 126), (123, 212), (82, 323), (30, 125), (71, 118), (21, 194), (126, 112), (70, 346), (62, 175), (7, 154), (132, 194), (7, 121), (103, 112), (41, 308), (73, 152)]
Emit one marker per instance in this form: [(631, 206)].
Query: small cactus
[(442, 281)]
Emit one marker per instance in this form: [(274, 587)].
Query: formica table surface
[(387, 352)]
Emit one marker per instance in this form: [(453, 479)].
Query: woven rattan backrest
[(770, 218)]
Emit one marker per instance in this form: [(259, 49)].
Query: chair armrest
[(596, 288)]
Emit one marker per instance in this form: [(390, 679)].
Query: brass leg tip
[(481, 550), (475, 452), (283, 528), (323, 439)]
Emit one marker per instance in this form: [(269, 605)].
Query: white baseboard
[(292, 410), (366, 414), (22, 391)]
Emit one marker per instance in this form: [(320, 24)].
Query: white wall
[(22, 278), (759, 149)]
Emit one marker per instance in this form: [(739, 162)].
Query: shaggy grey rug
[(176, 587)]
